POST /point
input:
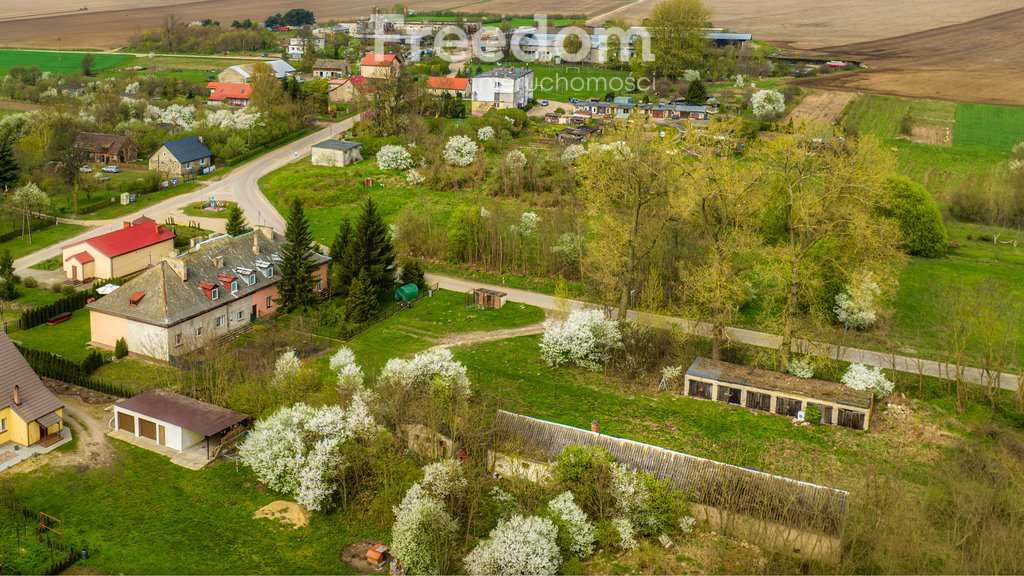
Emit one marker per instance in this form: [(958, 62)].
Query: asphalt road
[(240, 185)]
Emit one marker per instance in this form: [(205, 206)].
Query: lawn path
[(468, 338)]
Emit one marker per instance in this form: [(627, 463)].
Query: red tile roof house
[(231, 94), (441, 85), (134, 247), (381, 66), (187, 301)]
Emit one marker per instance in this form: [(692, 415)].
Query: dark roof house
[(106, 147), (188, 149), (22, 391)]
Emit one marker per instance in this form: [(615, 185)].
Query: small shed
[(172, 420), (336, 153), (407, 293), (487, 298)]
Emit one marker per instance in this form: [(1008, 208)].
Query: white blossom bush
[(691, 75), (687, 524), (343, 363), (414, 178), (670, 373), (298, 450), (1017, 166), (627, 534), (569, 245), (394, 157), (766, 103), (801, 368), (528, 223), (132, 88), (431, 372), (856, 305), (586, 338), (243, 119), (421, 521), (572, 152), (738, 81), (444, 479), (871, 378), (633, 499), (484, 134), (575, 521), (177, 114), (518, 545), (459, 151), (516, 159), (287, 365)]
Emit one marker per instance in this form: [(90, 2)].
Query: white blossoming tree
[(287, 365), (432, 372), (627, 533), (298, 450), (460, 151), (767, 103), (422, 531), (484, 134), (343, 363), (394, 157), (572, 152), (857, 305), (861, 377), (414, 178), (518, 545), (586, 338), (516, 159), (573, 521), (633, 499), (444, 479), (528, 223), (801, 368)]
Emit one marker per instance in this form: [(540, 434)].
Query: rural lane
[(749, 337), (240, 185)]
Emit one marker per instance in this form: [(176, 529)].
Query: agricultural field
[(821, 106), (985, 126), (57, 62)]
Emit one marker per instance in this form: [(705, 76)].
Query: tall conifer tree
[(296, 284)]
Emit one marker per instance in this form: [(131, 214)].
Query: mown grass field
[(41, 239), (884, 115), (987, 126), (944, 170), (58, 62), (69, 339), (20, 548)]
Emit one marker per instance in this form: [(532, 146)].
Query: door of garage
[(147, 429), (126, 422)]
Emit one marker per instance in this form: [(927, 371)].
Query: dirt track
[(88, 422), (977, 61)]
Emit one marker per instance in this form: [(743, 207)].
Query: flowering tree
[(801, 368), (518, 545), (767, 103), (444, 479), (690, 75), (432, 372), (484, 134), (627, 533), (243, 119), (572, 152), (861, 377), (571, 518), (516, 159), (343, 363), (528, 222), (856, 304), (586, 339), (633, 499), (287, 365), (413, 177), (177, 114), (422, 530), (459, 151), (298, 449), (394, 157)]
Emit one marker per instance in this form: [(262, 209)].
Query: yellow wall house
[(136, 246), (29, 412)]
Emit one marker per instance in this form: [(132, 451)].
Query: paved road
[(239, 185), (751, 337)]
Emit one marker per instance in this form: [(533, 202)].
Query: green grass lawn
[(57, 62), (182, 68), (987, 126), (116, 209), (27, 298), (331, 194), (944, 170), (69, 339), (41, 239), (55, 263), (138, 375), (144, 515), (420, 327), (20, 548), (196, 209)]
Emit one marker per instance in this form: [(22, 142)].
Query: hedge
[(50, 365)]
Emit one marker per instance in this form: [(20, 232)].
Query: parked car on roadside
[(112, 169), (85, 168)]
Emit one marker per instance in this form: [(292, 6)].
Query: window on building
[(252, 279), (729, 395), (319, 283), (3, 424), (220, 321), (214, 293), (850, 419), (199, 331), (234, 286), (759, 401), (788, 406), (699, 389), (177, 339), (241, 314), (270, 302)]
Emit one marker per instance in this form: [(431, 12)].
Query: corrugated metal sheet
[(732, 488)]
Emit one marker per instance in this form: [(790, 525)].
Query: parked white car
[(85, 168), (112, 169)]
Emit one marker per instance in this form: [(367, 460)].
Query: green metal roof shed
[(407, 292)]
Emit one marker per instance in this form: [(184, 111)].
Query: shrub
[(801, 368), (394, 157), (767, 103), (574, 527), (812, 414), (587, 471), (30, 282), (484, 134), (414, 178), (586, 338), (422, 531), (459, 151), (433, 372), (861, 377), (350, 375), (918, 217), (518, 545), (120, 348), (572, 152), (856, 304)]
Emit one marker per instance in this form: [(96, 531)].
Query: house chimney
[(593, 426), (256, 242), (218, 261), (179, 268), (17, 395), (126, 224)]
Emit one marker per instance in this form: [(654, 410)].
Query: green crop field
[(57, 62), (946, 169), (983, 125), (889, 116)]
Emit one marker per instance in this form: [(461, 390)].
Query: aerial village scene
[(502, 288)]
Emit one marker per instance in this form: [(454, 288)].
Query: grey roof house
[(29, 412), (336, 153), (186, 156)]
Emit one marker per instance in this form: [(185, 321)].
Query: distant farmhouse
[(134, 247), (381, 66), (344, 90), (242, 73), (106, 148), (327, 69), (186, 156), (297, 46), (502, 88), (29, 412), (187, 301)]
